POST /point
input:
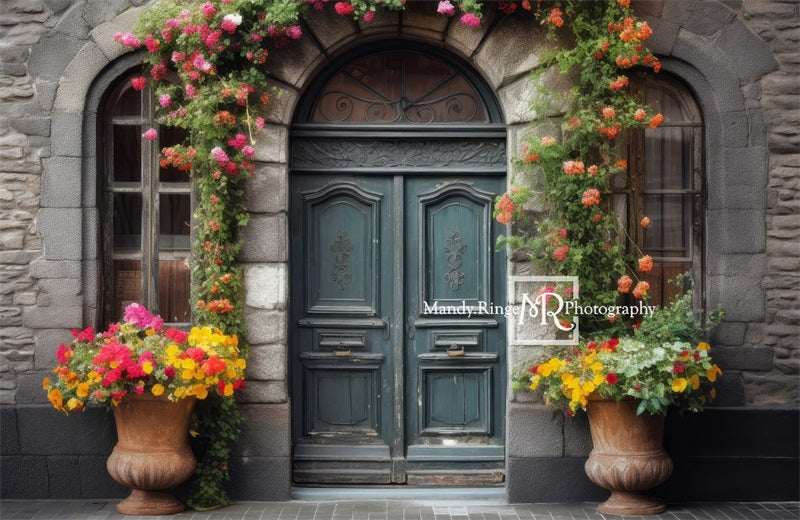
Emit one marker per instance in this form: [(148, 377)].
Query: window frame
[(635, 192), (149, 186)]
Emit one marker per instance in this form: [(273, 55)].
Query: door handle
[(455, 350)]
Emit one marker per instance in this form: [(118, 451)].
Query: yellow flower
[(74, 403), (679, 385), (157, 389), (588, 387), (534, 382), (200, 391), (55, 399), (694, 380), (596, 366), (703, 346), (187, 374), (567, 378), (228, 390), (713, 372), (188, 363), (83, 390), (598, 380), (149, 332), (147, 367), (241, 363)]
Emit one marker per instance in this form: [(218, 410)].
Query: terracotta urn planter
[(627, 457), (152, 453)]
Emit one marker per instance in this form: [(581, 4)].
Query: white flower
[(235, 19)]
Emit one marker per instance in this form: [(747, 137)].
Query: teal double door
[(397, 375)]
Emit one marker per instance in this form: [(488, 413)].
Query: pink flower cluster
[(138, 315), (128, 40)]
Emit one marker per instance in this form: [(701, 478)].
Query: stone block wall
[(741, 58)]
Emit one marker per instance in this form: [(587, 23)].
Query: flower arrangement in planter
[(139, 355), (665, 363), (151, 377)]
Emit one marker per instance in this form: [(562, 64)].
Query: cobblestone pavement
[(398, 510)]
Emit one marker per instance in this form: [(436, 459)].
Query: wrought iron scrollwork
[(353, 96)]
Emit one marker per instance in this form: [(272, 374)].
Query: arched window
[(146, 209), (666, 166)]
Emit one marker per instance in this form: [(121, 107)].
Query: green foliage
[(580, 234)]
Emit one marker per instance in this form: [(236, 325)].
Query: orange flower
[(618, 84), (531, 158), (593, 169), (624, 3), (624, 284), (597, 216), (609, 112), (641, 289), (622, 163), (646, 264), (640, 114), (645, 221), (590, 197), (503, 217), (656, 120), (506, 205), (555, 17), (573, 167)]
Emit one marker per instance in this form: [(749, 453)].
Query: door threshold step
[(489, 495)]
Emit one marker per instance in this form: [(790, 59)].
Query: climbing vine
[(206, 61)]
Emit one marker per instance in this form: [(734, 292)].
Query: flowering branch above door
[(207, 60)]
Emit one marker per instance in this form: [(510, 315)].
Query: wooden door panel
[(341, 256), (344, 370), (342, 400), (456, 400), (454, 354), (454, 233)]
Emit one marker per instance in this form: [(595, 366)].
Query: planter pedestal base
[(631, 503), (141, 502)]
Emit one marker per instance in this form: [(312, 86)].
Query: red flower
[(560, 253), (178, 336), (344, 8), (63, 354), (138, 83), (611, 378)]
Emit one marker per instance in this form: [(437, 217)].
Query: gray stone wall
[(740, 58), (778, 24)]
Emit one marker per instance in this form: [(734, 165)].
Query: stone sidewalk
[(397, 510)]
